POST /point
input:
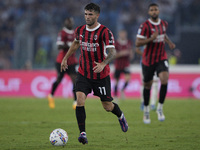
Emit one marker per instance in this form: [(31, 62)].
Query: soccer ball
[(58, 137)]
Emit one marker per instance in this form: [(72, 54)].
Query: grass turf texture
[(26, 123)]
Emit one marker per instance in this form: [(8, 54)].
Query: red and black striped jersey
[(154, 51), (65, 36), (93, 44), (123, 62)]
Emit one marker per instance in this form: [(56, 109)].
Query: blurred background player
[(155, 84), (64, 41), (152, 34), (124, 48)]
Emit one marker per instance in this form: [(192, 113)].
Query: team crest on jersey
[(95, 37)]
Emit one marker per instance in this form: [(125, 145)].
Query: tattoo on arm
[(111, 55)]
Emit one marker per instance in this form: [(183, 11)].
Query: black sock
[(163, 92), (146, 96), (54, 87), (81, 116), (125, 85), (115, 92), (116, 110), (74, 92)]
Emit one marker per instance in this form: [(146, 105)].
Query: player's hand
[(63, 65), (99, 67), (124, 53), (172, 45), (154, 35)]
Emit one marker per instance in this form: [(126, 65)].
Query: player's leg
[(114, 108), (148, 73), (83, 88), (81, 116), (141, 93), (127, 77), (102, 89), (154, 92), (72, 73), (163, 91), (55, 85), (146, 97), (116, 76), (73, 78), (59, 78), (163, 74)]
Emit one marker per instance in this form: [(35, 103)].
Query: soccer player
[(94, 39), (154, 91), (152, 34), (64, 41), (122, 61)]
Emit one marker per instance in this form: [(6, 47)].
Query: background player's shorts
[(71, 69), (101, 87), (149, 71), (119, 72)]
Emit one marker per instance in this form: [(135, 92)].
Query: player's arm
[(138, 51), (75, 45), (61, 42), (111, 55), (141, 42), (64, 46), (169, 42), (122, 53)]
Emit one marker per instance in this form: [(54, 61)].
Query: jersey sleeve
[(76, 34), (166, 24), (142, 31), (60, 39), (108, 39)]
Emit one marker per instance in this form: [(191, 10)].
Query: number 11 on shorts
[(102, 90)]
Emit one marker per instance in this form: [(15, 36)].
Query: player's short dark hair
[(152, 4), (92, 6)]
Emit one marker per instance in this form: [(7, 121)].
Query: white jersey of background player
[(154, 91)]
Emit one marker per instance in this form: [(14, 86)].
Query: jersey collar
[(123, 42), (68, 31), (154, 23), (93, 28)]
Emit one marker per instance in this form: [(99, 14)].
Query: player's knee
[(164, 80), (147, 86), (80, 101), (108, 109), (108, 106)]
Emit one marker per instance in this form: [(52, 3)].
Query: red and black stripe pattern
[(154, 51), (123, 62), (93, 44)]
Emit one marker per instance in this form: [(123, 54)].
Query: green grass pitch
[(26, 123)]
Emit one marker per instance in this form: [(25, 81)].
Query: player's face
[(69, 23), (154, 12), (91, 17), (123, 35)]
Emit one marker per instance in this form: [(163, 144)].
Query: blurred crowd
[(42, 19)]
